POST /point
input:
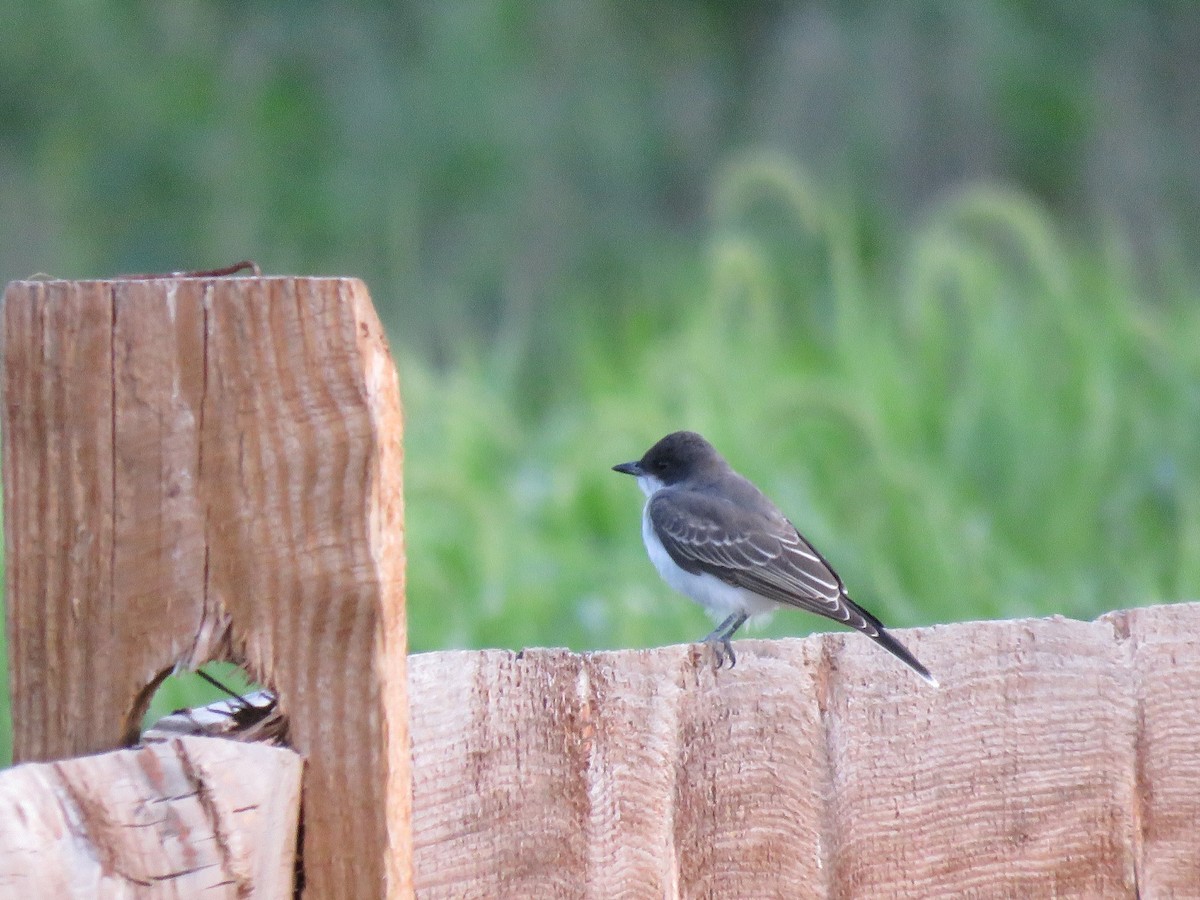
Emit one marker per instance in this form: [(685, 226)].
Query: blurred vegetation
[(478, 163), (920, 269), (1001, 424)]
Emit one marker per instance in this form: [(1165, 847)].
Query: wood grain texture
[(211, 468), (58, 502), (1164, 652), (1058, 759), (192, 817), (1013, 779)]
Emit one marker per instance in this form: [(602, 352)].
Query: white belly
[(717, 597)]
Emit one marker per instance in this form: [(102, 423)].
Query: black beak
[(629, 468)]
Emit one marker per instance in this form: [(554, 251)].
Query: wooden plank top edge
[(169, 276), (757, 645)]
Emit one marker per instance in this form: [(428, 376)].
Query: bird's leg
[(719, 638)]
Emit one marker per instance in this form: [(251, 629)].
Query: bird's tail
[(897, 649), (873, 628)]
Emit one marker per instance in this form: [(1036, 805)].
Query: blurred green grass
[(997, 423), (984, 418)]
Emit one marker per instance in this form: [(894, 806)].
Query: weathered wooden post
[(200, 468)]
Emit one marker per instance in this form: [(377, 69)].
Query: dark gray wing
[(761, 551)]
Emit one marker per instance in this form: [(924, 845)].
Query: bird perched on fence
[(716, 538)]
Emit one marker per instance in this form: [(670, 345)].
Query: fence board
[(1165, 654), (506, 806), (1013, 779)]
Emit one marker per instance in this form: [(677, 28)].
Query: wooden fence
[(210, 468), (1058, 759)]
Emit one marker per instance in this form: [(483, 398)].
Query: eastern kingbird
[(715, 537)]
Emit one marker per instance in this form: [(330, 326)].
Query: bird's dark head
[(680, 455)]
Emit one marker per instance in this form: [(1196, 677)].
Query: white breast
[(717, 597)]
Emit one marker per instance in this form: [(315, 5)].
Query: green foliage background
[(918, 269)]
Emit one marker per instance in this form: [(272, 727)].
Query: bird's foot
[(719, 637), (722, 649)]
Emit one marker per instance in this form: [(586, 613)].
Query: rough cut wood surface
[(196, 817), (1164, 647), (1058, 759), (210, 468)]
